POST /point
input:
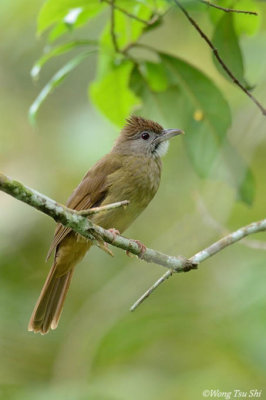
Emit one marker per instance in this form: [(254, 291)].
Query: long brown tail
[(49, 306)]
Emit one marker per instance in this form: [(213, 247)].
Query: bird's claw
[(129, 254), (114, 232), (104, 246), (141, 246)]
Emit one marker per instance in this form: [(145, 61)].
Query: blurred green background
[(202, 330)]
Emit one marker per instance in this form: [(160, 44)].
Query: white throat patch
[(162, 148)]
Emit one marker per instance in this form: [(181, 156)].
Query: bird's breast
[(137, 181), (141, 179)]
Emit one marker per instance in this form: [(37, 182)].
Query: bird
[(130, 171)]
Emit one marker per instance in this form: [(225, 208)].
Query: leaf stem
[(113, 35), (150, 22)]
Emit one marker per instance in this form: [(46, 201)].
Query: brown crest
[(137, 124)]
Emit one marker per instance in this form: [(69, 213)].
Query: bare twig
[(218, 57), (113, 35), (82, 225), (228, 10), (149, 22), (96, 210), (132, 16), (202, 255)]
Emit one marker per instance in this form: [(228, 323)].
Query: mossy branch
[(82, 225)]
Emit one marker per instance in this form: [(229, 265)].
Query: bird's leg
[(129, 254), (141, 246), (114, 231), (104, 246)]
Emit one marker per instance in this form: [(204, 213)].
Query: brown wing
[(90, 193)]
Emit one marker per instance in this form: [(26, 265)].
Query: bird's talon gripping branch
[(142, 248), (114, 232)]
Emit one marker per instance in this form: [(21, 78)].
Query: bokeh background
[(202, 330)]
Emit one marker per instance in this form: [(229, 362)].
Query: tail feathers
[(49, 306)]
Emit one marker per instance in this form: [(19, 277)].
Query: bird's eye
[(145, 135)]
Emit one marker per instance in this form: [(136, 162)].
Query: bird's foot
[(104, 246), (114, 232), (141, 246), (129, 254)]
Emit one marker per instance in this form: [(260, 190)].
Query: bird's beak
[(168, 134)]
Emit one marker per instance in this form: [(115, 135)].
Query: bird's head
[(143, 136)]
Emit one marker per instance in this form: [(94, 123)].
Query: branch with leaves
[(78, 222), (131, 76), (219, 58)]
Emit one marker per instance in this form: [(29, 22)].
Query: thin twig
[(150, 22), (113, 35), (202, 255), (217, 55), (96, 210), (228, 10), (132, 16)]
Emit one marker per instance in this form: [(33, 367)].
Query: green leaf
[(67, 11), (58, 30), (193, 103), (56, 80), (62, 27), (112, 95), (215, 14), (243, 23), (207, 113), (127, 30), (57, 51), (164, 107), (156, 76), (231, 167), (234, 170), (226, 41), (247, 188)]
